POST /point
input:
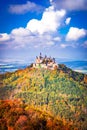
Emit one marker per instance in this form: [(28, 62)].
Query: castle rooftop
[(45, 62)]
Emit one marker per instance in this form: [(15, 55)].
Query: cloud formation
[(70, 4), (68, 20), (64, 45), (50, 22), (75, 34), (29, 40), (4, 37), (37, 33), (24, 8), (44, 32), (20, 32)]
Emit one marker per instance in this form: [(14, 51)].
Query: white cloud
[(68, 20), (57, 39), (33, 41), (23, 8), (22, 38), (20, 32), (64, 45), (4, 37), (70, 4), (37, 33), (51, 1), (75, 34), (50, 22)]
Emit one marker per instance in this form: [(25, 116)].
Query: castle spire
[(40, 55)]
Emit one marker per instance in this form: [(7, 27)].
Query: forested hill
[(61, 92), (80, 77)]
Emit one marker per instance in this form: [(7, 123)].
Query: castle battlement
[(45, 62)]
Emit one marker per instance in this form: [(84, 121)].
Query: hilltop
[(59, 91)]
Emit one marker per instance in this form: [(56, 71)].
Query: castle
[(45, 62)]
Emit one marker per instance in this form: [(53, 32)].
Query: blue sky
[(54, 27)]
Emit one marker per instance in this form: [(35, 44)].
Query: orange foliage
[(15, 117), (85, 78)]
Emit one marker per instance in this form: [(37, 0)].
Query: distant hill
[(11, 66), (79, 66), (61, 92)]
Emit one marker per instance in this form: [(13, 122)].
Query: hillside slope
[(15, 115), (62, 92)]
